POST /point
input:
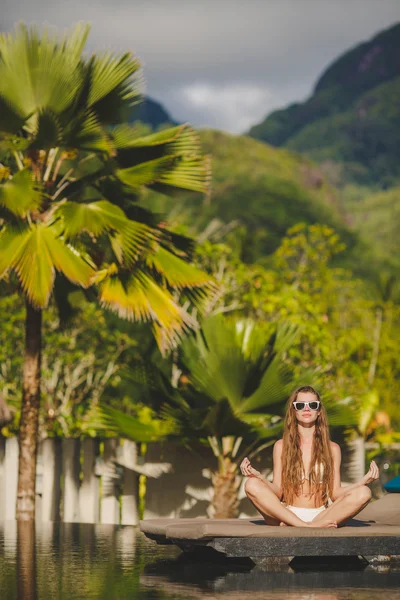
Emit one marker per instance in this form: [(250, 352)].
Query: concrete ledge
[(375, 531), (308, 546)]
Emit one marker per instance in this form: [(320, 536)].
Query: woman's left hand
[(373, 473)]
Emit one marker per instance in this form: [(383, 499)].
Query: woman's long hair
[(292, 459)]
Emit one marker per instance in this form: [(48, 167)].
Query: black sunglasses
[(313, 405)]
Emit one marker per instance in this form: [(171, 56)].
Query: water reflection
[(74, 561), (26, 561), (277, 581)]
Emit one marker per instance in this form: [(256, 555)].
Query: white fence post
[(184, 491), (130, 509), (51, 474), (353, 461), (11, 478), (109, 491), (71, 468), (89, 494), (39, 483)]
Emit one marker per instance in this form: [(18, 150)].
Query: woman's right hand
[(247, 470)]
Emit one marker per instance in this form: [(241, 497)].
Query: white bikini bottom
[(306, 514)]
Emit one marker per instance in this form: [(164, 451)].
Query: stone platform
[(374, 532)]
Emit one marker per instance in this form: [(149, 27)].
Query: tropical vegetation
[(71, 173), (222, 291)]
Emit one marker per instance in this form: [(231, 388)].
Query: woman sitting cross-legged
[(306, 489)]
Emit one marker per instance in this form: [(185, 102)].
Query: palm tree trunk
[(5, 413), (29, 423), (226, 487)]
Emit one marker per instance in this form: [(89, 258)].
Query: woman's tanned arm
[(275, 485), (338, 489)]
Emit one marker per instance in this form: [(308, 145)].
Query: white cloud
[(234, 107), (244, 53)]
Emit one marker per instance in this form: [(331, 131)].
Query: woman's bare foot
[(324, 523), (310, 524)]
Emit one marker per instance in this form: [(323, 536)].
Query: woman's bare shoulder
[(278, 445), (335, 448)]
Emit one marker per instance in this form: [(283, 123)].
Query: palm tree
[(231, 386), (70, 179)]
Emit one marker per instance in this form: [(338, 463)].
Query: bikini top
[(319, 470)]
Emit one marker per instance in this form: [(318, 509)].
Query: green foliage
[(377, 216), (70, 180), (127, 426), (231, 383), (78, 363), (263, 191), (336, 314)]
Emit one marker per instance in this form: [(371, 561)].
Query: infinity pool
[(85, 561)]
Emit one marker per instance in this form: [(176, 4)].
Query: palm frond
[(140, 298), (176, 272), (222, 421), (273, 376), (85, 131), (343, 412), (35, 254), (192, 173), (41, 71), (48, 131), (11, 119), (110, 72), (215, 361), (131, 428), (181, 139), (21, 194), (176, 147), (273, 388), (128, 237), (147, 173)]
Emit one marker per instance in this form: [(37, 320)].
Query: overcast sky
[(220, 63)]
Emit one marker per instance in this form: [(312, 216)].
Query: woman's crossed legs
[(274, 512), (346, 506)]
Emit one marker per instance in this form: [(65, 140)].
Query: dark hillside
[(352, 117), (151, 113)]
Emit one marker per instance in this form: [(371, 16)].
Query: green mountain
[(351, 122), (265, 190)]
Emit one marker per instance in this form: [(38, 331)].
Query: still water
[(85, 561)]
